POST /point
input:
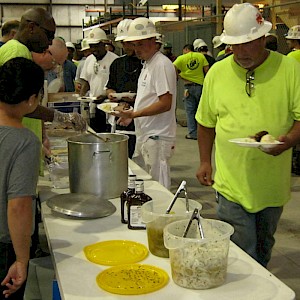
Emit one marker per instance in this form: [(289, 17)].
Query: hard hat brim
[(120, 38), (288, 37), (96, 41), (242, 39), (84, 48), (140, 37), (218, 45)]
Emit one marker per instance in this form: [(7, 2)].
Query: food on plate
[(268, 139), (106, 107), (122, 106), (261, 137)]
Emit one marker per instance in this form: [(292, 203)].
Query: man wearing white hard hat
[(251, 91), (293, 40), (95, 74), (201, 47), (86, 50), (154, 108), (218, 44), (124, 73)]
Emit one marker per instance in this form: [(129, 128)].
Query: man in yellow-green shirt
[(191, 67), (250, 91)]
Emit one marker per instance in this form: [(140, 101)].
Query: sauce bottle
[(134, 205), (124, 197)]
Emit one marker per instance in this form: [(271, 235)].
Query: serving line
[(76, 276)]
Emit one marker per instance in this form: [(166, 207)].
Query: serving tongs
[(195, 216), (91, 131), (182, 188)]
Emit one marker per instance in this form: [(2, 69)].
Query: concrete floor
[(285, 262)]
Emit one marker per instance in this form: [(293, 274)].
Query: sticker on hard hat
[(259, 19)]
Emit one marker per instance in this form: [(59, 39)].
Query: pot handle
[(102, 152)]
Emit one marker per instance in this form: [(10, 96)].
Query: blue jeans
[(191, 101), (253, 232)]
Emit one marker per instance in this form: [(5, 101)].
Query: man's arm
[(291, 139), (19, 215), (205, 69), (43, 113), (206, 137), (163, 104), (51, 115), (85, 87)]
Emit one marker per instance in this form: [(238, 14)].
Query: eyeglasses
[(249, 83), (48, 33)]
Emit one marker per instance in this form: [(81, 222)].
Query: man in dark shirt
[(123, 76)]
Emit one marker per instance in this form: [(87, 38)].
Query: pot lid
[(81, 205)]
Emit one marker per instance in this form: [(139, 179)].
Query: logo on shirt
[(193, 64)]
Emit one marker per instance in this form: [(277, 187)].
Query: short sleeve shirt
[(20, 154), (96, 73), (157, 78), (191, 66), (295, 54), (12, 49), (248, 176)]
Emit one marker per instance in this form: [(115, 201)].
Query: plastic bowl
[(198, 263), (153, 214)]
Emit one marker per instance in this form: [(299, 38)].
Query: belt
[(192, 84)]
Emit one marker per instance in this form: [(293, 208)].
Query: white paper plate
[(244, 142), (88, 99), (107, 107), (54, 86), (119, 96)]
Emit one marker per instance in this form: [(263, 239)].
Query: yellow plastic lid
[(132, 279), (115, 252)]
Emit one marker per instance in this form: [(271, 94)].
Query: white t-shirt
[(157, 77), (96, 73)]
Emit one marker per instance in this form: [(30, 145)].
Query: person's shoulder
[(70, 64), (161, 57), (90, 58), (112, 55)]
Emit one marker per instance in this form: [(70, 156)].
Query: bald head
[(55, 55), (37, 29), (38, 15), (59, 50)]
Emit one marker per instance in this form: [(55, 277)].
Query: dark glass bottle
[(124, 197), (134, 205)]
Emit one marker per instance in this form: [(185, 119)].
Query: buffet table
[(76, 276)]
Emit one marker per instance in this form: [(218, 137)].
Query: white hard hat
[(196, 42), (216, 41), (122, 29), (70, 45), (199, 44), (84, 44), (294, 33), (97, 35), (141, 29), (159, 39), (243, 23)]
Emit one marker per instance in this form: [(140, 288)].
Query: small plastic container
[(155, 218), (198, 263), (59, 173)]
